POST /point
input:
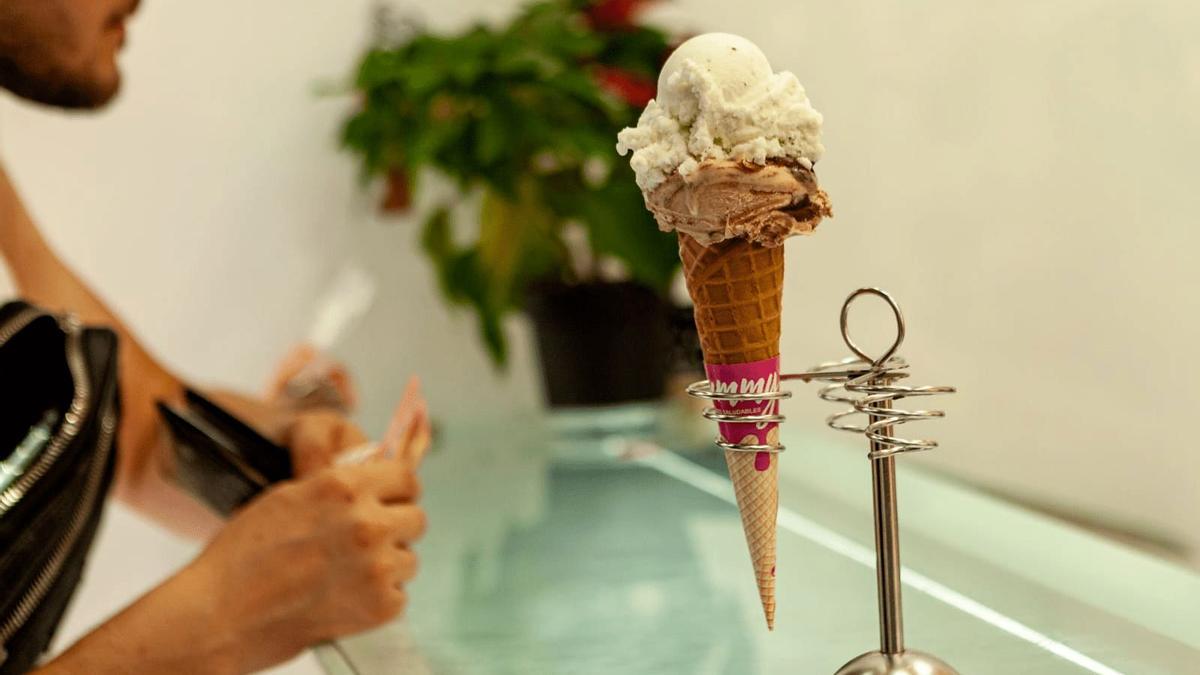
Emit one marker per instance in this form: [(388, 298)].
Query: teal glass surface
[(558, 552)]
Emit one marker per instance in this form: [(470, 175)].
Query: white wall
[(1018, 173)]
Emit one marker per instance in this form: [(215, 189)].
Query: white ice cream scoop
[(737, 64), (718, 99)]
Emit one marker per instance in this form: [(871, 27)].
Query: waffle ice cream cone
[(737, 288), (757, 495)]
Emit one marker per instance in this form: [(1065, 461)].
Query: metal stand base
[(905, 663)]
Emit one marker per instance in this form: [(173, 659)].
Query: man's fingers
[(351, 437), (296, 359), (316, 438), (420, 437), (308, 378), (409, 432), (310, 440), (343, 383), (406, 522), (402, 416), (407, 563), (388, 481)]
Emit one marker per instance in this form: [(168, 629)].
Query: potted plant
[(524, 117)]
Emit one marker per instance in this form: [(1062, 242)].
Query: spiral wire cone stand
[(869, 386), (702, 389)]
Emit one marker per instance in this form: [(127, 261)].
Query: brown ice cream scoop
[(725, 199)]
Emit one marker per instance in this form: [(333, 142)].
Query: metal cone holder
[(869, 386)]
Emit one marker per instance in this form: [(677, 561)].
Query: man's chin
[(90, 94), (64, 92), (95, 96)]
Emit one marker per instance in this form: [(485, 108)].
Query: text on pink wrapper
[(758, 377)]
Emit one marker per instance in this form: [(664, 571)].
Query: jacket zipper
[(19, 321), (50, 572), (71, 425), (80, 406)]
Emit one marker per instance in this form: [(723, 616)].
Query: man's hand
[(316, 559), (317, 439), (309, 561)]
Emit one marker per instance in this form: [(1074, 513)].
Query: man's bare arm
[(144, 459)]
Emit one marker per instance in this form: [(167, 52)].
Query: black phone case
[(219, 458)]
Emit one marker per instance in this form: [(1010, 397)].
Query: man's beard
[(55, 88)]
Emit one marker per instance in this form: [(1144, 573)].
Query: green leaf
[(518, 242), (469, 280), (463, 280), (437, 244), (492, 137), (435, 234), (500, 225), (492, 332)]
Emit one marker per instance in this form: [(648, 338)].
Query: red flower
[(634, 89), (614, 14)]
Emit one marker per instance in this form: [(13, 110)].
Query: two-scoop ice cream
[(727, 147), (724, 157)]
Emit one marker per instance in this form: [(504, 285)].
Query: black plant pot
[(601, 343)]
